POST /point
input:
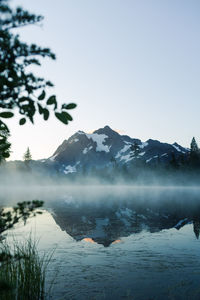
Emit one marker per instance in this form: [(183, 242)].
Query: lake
[(117, 242)]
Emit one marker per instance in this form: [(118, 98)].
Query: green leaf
[(45, 114), (71, 106), (40, 109), (61, 117), (51, 100), (6, 114), (68, 116), (4, 127), (42, 96), (22, 121)]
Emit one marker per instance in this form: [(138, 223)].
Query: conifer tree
[(27, 155), (194, 153), (173, 161), (193, 146), (135, 150), (113, 163)]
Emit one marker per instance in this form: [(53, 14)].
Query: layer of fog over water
[(116, 242)]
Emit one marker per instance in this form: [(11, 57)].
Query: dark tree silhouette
[(27, 155), (21, 89), (22, 211), (4, 145), (194, 153), (23, 92), (135, 150), (173, 162)]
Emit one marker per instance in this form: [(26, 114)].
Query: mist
[(163, 199), (17, 186), (19, 174), (109, 225)]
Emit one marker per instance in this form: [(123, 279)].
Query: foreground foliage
[(4, 145), (22, 272), (21, 89), (22, 211)]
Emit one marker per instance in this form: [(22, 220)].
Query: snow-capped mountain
[(105, 146)]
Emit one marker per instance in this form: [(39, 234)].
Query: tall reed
[(23, 273)]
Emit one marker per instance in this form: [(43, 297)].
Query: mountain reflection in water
[(118, 243), (107, 218)]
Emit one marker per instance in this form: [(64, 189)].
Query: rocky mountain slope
[(105, 146)]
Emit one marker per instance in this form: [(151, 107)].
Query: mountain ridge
[(105, 146)]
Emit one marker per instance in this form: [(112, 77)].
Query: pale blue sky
[(131, 64)]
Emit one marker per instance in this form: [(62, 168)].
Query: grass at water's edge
[(23, 272)]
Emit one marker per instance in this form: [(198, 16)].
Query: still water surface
[(117, 243)]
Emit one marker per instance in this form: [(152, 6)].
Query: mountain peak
[(107, 130), (88, 150), (107, 127)]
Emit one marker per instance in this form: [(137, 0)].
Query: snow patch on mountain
[(118, 155), (73, 141), (99, 139), (164, 154), (177, 148), (124, 212), (154, 157), (142, 216), (128, 143), (69, 169), (124, 149), (126, 157), (86, 150), (52, 158), (142, 153), (148, 160), (143, 145)]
